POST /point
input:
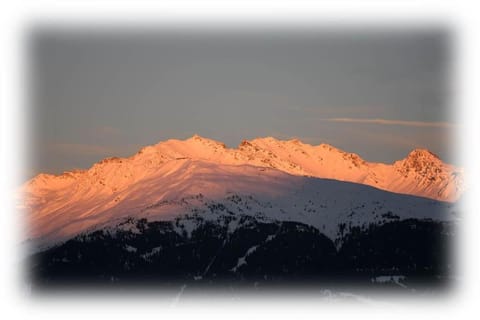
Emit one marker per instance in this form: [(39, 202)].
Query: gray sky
[(108, 94)]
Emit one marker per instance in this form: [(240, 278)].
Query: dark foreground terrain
[(399, 255)]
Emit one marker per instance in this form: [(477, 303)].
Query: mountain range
[(278, 188)]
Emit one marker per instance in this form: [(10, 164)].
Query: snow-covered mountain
[(421, 173), (277, 178), (197, 211)]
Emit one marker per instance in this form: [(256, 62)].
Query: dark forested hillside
[(249, 251)]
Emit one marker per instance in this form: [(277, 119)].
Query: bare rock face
[(422, 162)]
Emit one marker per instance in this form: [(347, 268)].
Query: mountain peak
[(268, 139), (420, 153), (257, 141), (196, 137), (199, 139), (423, 162)]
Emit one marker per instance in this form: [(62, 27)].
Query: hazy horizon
[(377, 94)]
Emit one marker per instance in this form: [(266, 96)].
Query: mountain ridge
[(420, 173)]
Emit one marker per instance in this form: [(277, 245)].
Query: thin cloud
[(393, 122)]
